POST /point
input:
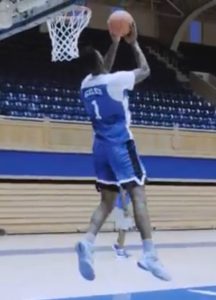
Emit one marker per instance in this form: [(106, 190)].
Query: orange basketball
[(119, 23)]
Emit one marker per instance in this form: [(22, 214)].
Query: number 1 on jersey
[(96, 110)]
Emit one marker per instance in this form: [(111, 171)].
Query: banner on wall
[(77, 165)]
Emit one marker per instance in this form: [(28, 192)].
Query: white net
[(64, 32)]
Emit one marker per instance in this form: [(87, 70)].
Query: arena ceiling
[(173, 8)]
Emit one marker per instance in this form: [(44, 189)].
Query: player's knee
[(135, 190), (108, 198), (107, 206), (137, 194)]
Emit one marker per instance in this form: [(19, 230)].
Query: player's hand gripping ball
[(131, 37)]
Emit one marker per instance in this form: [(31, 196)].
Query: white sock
[(90, 237), (148, 246)]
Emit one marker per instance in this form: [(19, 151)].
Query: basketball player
[(123, 222), (115, 157)]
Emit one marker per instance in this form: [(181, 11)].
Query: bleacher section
[(149, 107), (159, 101), (190, 57), (197, 57)]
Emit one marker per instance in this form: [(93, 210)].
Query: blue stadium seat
[(160, 101)]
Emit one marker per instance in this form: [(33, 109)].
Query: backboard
[(25, 17)]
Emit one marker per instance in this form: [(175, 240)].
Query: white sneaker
[(152, 264), (120, 252), (84, 251)]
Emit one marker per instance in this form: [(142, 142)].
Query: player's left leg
[(149, 260), (130, 173)]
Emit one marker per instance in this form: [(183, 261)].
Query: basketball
[(119, 23)]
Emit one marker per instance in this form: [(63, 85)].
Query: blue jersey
[(105, 97)]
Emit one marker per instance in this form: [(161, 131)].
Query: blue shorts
[(117, 164)]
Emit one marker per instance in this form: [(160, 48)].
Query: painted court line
[(69, 250), (205, 293)]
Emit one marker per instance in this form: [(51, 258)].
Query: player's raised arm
[(143, 70), (111, 53)]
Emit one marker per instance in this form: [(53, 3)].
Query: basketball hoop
[(65, 30)]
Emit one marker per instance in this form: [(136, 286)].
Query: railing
[(61, 136)]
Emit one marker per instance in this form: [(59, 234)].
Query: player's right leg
[(109, 190), (85, 247)]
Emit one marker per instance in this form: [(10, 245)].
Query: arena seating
[(165, 108), (41, 89), (197, 57), (149, 107), (190, 57)]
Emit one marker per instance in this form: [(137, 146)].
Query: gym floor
[(44, 267)]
